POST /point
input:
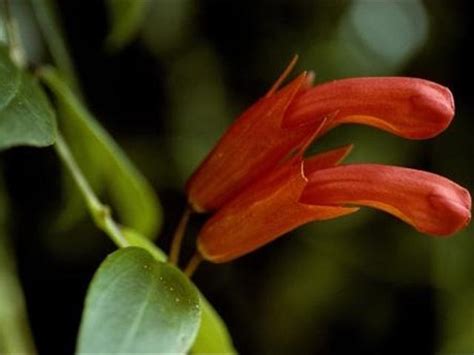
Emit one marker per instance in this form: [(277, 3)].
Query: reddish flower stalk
[(261, 186)]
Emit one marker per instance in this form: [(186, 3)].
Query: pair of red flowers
[(259, 185)]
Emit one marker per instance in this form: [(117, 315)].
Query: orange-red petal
[(429, 202), (408, 107), (326, 159), (262, 213), (253, 145)]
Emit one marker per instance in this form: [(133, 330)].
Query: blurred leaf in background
[(371, 38), (15, 333), (213, 336), (125, 18), (105, 165), (168, 24), (199, 110), (453, 265)]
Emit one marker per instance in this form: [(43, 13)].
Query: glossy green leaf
[(136, 304), (105, 166), (125, 17), (135, 239), (213, 336), (26, 117)]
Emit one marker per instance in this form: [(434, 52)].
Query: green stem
[(48, 21), (99, 212)]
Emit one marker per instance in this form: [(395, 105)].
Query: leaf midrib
[(139, 317), (14, 91)]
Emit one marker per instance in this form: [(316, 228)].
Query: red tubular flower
[(285, 120), (254, 144), (432, 204), (266, 210), (260, 185), (315, 189), (408, 107)]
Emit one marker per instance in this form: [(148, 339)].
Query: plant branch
[(99, 212)]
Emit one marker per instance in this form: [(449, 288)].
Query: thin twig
[(178, 236)]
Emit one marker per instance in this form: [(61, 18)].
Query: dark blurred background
[(365, 283)]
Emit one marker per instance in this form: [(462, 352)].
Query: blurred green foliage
[(15, 334), (125, 18)]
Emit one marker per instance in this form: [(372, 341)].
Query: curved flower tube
[(408, 107), (431, 203), (287, 119), (299, 192)]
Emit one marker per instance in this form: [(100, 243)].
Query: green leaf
[(213, 336), (125, 17), (136, 304), (105, 165), (26, 117), (135, 239)]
